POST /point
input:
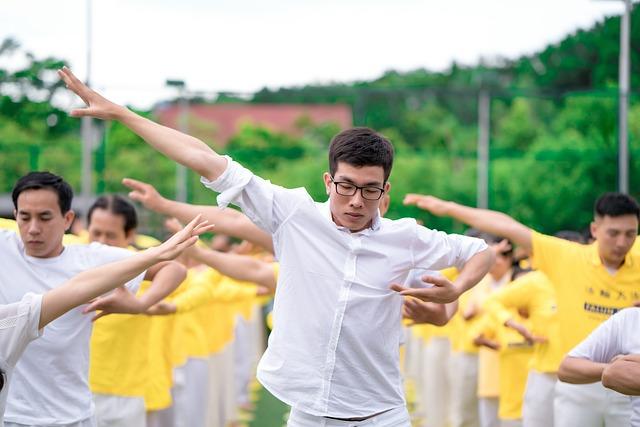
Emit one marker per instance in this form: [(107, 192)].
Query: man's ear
[(68, 219), (327, 182)]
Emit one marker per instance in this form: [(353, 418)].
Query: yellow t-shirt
[(587, 294), (534, 293), (514, 357), (9, 224), (119, 359)]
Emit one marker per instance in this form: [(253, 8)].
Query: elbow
[(564, 371)]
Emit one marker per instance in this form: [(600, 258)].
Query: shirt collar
[(376, 222), (595, 257)]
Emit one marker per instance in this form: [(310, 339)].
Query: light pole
[(87, 133), (623, 101), (183, 126)]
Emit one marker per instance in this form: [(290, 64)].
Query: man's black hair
[(616, 204), (359, 147), (48, 181), (116, 205)]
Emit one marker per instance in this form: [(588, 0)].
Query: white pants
[(398, 417), (222, 407), (436, 382), (464, 385), (191, 398), (243, 359), (511, 423), (89, 422), (590, 405), (488, 411), (119, 411), (166, 417), (537, 407)]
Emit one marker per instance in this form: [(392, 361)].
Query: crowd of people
[(503, 326)]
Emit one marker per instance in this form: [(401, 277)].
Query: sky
[(245, 45)]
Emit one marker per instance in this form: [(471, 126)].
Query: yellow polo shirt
[(534, 293), (587, 294)]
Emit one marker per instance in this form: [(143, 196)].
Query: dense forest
[(553, 131)]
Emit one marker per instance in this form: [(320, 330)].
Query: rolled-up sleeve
[(438, 250), (266, 204)]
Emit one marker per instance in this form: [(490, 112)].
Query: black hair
[(44, 180), (616, 204), (572, 236), (361, 146), (117, 205)]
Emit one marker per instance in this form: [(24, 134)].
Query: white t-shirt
[(617, 335), (18, 327), (50, 381)]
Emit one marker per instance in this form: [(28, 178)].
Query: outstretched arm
[(489, 221), (182, 148), (95, 282), (238, 267), (227, 221)]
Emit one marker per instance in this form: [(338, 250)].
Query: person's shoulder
[(626, 315)]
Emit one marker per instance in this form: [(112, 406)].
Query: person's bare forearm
[(238, 267), (623, 376), (164, 280), (493, 222), (93, 283), (227, 221), (474, 270), (575, 370), (182, 148)]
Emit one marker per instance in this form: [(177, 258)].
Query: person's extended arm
[(95, 282), (576, 370), (443, 290), (623, 375), (227, 221), (238, 267), (489, 221), (182, 148)]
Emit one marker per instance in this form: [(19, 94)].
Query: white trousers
[(398, 417), (191, 398), (590, 405), (537, 407), (464, 385), (89, 422), (436, 382), (243, 354), (119, 411), (488, 411)]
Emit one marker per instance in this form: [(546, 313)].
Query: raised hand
[(432, 204), (442, 290), (181, 240), (143, 193), (97, 105)]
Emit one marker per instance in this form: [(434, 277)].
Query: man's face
[(108, 228), (41, 222), (354, 212), (615, 237)]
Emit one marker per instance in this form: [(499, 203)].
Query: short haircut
[(616, 204), (47, 181), (359, 147), (572, 236), (116, 205)]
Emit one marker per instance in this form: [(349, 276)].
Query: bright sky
[(244, 45)]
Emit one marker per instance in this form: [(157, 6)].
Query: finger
[(411, 199), (187, 243), (203, 230), (397, 287), (99, 315), (134, 184), (80, 112), (92, 307), (435, 280)]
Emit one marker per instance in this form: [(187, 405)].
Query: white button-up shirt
[(334, 348)]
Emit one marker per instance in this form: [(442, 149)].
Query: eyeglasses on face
[(348, 189)]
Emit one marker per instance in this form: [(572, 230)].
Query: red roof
[(217, 123)]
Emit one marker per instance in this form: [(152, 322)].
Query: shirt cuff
[(230, 183)]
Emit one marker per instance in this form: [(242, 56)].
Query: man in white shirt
[(606, 355), (50, 382), (333, 353)]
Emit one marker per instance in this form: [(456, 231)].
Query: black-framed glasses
[(348, 189)]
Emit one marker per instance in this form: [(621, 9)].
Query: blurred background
[(509, 105)]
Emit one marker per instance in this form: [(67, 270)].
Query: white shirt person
[(334, 349)]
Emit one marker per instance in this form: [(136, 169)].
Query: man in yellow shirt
[(592, 282), (118, 366)]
